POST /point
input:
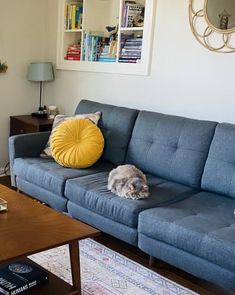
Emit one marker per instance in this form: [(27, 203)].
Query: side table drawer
[(18, 127)]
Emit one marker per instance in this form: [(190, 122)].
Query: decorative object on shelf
[(133, 14), (40, 72), (3, 67), (52, 112), (213, 24), (113, 34), (112, 31), (3, 205)]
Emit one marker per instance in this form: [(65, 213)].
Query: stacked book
[(73, 16), (91, 47), (20, 276), (73, 52), (97, 48), (107, 58), (131, 47), (131, 14), (107, 53)]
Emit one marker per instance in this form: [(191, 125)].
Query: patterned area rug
[(105, 272)]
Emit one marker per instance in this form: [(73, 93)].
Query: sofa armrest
[(26, 145)]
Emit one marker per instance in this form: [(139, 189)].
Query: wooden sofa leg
[(151, 261)]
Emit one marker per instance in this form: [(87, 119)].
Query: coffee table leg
[(75, 265)]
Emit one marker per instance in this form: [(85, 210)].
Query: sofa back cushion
[(171, 147), (116, 124), (219, 173)]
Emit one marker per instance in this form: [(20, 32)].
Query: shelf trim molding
[(142, 68)]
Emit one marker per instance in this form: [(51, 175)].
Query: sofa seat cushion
[(46, 173), (91, 193), (203, 225)]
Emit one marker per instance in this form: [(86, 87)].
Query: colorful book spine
[(73, 16), (91, 46), (74, 7), (73, 52), (66, 11)]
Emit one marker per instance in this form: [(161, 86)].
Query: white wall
[(22, 32), (186, 79)]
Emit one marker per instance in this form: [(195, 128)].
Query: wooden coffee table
[(29, 227)]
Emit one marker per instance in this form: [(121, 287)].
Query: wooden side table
[(28, 124)]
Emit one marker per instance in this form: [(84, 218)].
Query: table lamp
[(40, 72)]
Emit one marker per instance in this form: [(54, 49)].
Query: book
[(92, 46), (131, 48), (66, 11), (124, 11), (73, 16), (74, 8), (73, 52), (132, 14), (19, 276)]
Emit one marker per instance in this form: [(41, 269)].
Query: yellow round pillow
[(77, 143)]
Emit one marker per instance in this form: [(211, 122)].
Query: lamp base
[(39, 115)]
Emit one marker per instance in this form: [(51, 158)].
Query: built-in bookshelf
[(113, 36)]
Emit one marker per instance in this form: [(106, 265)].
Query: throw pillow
[(77, 143), (93, 117)]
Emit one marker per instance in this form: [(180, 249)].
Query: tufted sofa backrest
[(116, 124), (172, 147), (219, 173)]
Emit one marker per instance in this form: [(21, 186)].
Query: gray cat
[(129, 182)]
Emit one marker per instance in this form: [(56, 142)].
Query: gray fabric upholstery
[(188, 262), (203, 225), (46, 173), (26, 145), (116, 124), (91, 192), (171, 147), (219, 173), (104, 224), (41, 194)]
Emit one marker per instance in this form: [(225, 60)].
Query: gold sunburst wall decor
[(212, 24)]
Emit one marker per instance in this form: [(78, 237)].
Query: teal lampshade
[(40, 72)]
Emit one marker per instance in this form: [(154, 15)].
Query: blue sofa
[(188, 221)]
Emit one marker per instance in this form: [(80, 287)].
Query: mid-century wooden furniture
[(29, 227), (28, 124)]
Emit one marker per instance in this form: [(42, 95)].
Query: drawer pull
[(21, 130)]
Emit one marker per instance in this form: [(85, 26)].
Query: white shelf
[(132, 29), (97, 14), (73, 31)]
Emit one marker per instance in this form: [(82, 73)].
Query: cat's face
[(136, 189)]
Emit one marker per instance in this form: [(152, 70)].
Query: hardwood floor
[(200, 286)]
